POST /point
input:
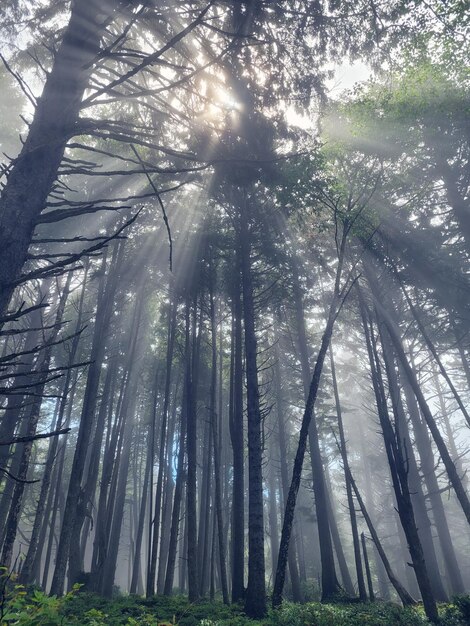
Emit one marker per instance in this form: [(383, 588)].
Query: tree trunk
[(31, 564), (330, 583), (283, 455), (191, 448), (410, 374), (349, 494), (128, 406), (32, 420), (215, 440), (155, 525), (238, 445), (398, 471), (55, 121), (367, 566), (255, 601), (103, 316)]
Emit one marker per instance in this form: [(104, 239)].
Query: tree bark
[(349, 494), (103, 316), (55, 121), (255, 601)]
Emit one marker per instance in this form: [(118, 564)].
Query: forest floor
[(85, 609)]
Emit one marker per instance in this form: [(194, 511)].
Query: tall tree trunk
[(103, 315), (169, 487), (402, 593), (255, 601), (283, 455), (411, 376), (180, 477), (31, 564), (155, 525), (191, 448), (129, 406), (426, 455), (216, 444), (398, 471), (203, 541), (32, 420), (238, 444), (15, 402), (414, 480), (329, 582), (349, 494), (367, 566), (136, 565), (34, 171)]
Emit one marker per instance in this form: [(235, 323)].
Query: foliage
[(316, 614), (35, 608), (85, 609)]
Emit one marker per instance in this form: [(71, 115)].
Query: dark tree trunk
[(217, 464), (255, 601), (180, 477), (13, 410), (329, 582), (349, 494), (136, 564), (426, 455), (55, 121), (411, 376), (336, 538), (191, 447), (203, 547), (283, 455), (155, 525), (168, 497), (31, 564), (32, 420), (414, 480), (367, 566), (238, 445), (128, 407), (402, 593), (398, 471), (103, 315), (273, 524)]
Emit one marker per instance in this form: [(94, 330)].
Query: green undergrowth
[(85, 609)]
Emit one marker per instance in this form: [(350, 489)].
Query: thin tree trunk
[(129, 406), (136, 565), (215, 440), (402, 593), (103, 316), (329, 582), (155, 525), (32, 420), (351, 505), (191, 447), (410, 374), (367, 566), (414, 480), (283, 455), (398, 471), (31, 564), (180, 478), (426, 455)]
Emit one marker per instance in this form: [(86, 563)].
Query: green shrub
[(316, 614), (20, 608), (462, 602)]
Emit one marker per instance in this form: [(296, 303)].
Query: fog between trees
[(235, 307)]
